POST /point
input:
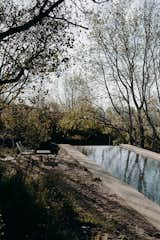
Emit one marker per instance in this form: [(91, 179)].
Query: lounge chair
[(48, 148), (22, 150), (41, 151)]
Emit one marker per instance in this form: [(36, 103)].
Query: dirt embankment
[(103, 213)]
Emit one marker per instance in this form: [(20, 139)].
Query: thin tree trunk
[(141, 128)]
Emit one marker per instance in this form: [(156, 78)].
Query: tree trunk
[(141, 128)]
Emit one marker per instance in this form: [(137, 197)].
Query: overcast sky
[(81, 44)]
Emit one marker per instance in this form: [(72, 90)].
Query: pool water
[(141, 173)]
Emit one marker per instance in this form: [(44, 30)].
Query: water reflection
[(141, 173)]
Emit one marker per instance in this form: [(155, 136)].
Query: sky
[(79, 54)]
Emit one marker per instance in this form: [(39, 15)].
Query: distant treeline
[(34, 126), (83, 124)]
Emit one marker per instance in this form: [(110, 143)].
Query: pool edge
[(137, 201)]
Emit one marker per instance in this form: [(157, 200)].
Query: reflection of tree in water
[(129, 170), (103, 156), (157, 176), (142, 173), (111, 155), (154, 191), (126, 167), (85, 150), (142, 185)]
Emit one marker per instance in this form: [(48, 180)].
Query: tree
[(81, 120), (76, 91), (31, 43), (31, 125), (30, 40), (33, 39), (128, 48), (31, 36)]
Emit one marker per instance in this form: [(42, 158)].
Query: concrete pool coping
[(143, 152), (131, 197)]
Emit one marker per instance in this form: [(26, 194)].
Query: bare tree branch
[(69, 22), (36, 19), (13, 80)]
